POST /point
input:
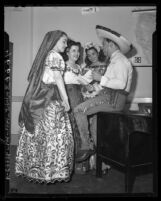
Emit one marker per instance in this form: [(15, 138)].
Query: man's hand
[(96, 76)]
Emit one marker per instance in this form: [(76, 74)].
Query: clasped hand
[(66, 105)]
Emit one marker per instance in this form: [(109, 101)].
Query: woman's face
[(61, 44), (73, 53), (92, 55)]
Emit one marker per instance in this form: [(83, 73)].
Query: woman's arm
[(86, 78), (60, 83)]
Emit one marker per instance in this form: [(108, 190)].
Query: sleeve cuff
[(104, 81)]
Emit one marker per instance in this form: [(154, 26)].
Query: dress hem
[(30, 179)]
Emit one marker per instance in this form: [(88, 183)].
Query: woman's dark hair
[(101, 56), (48, 43), (71, 43)]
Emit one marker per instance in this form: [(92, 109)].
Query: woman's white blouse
[(53, 62), (71, 77)]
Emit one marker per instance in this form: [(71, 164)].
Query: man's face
[(105, 44)]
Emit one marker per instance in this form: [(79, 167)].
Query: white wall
[(18, 24), (27, 27)]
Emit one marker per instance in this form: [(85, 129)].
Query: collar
[(74, 70), (114, 54)]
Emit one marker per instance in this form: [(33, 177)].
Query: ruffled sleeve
[(54, 62)]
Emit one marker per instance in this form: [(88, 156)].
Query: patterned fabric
[(47, 155), (35, 102), (97, 68), (54, 61), (77, 70), (106, 96), (46, 147), (71, 76)]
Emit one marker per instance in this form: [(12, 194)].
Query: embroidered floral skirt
[(47, 154)]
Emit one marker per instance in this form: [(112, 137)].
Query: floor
[(112, 183)]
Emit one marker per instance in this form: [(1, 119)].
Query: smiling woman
[(42, 153), (73, 79), (95, 60)]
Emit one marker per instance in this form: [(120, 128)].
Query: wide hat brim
[(122, 42)]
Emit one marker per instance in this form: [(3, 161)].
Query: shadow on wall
[(130, 54), (134, 83), (133, 89)]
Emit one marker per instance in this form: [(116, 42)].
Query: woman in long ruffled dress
[(46, 146)]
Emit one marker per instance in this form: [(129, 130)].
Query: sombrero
[(121, 41)]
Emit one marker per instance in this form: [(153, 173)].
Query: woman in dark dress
[(73, 81)]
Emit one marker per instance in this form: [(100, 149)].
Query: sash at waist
[(33, 105)]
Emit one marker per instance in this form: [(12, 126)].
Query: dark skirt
[(75, 98), (74, 94)]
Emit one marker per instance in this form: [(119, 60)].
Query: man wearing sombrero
[(113, 88)]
